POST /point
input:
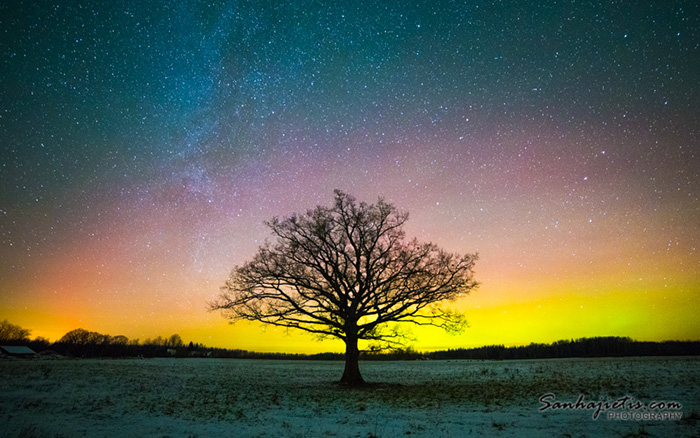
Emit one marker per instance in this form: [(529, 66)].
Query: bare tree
[(120, 340), (12, 332), (81, 336), (346, 271), (174, 341)]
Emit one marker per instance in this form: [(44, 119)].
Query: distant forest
[(82, 343)]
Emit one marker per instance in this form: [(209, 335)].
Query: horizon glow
[(144, 146)]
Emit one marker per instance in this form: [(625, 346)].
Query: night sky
[(143, 144)]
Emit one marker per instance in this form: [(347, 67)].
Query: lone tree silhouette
[(345, 272)]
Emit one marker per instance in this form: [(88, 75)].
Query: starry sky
[(143, 144)]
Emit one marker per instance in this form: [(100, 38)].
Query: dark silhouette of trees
[(13, 333), (78, 337), (174, 341), (84, 343), (346, 272), (606, 346), (120, 340)]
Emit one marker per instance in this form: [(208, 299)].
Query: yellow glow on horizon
[(527, 294), (649, 316)]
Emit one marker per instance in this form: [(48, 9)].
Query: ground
[(264, 398)]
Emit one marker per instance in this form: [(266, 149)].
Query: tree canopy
[(12, 332), (347, 271)]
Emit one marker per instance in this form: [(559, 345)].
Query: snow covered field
[(225, 397)]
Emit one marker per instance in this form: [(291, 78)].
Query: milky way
[(143, 144)]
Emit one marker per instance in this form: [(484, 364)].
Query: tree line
[(86, 344), (608, 346)]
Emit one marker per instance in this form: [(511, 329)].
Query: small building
[(17, 350)]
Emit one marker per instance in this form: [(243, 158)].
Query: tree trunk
[(351, 375)]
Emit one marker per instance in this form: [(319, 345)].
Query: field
[(220, 397)]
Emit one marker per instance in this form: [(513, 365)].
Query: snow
[(265, 398)]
